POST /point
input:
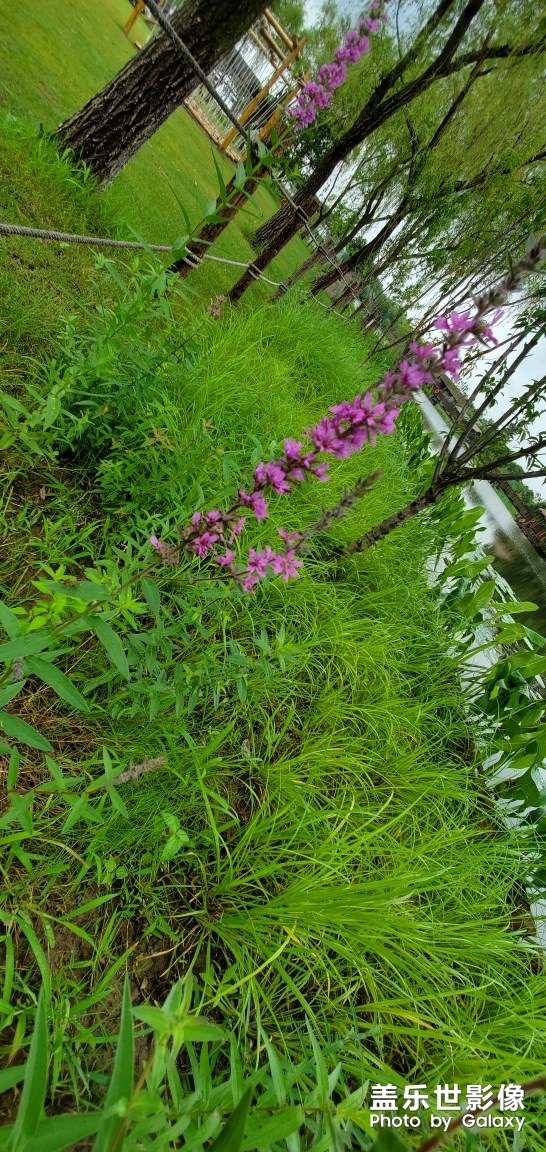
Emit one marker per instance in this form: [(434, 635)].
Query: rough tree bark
[(115, 123), (197, 247), (412, 509)]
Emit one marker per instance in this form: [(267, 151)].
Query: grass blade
[(232, 1134), (35, 1083), (121, 1084)]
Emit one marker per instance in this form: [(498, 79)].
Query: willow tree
[(108, 131), (497, 434), (449, 43)]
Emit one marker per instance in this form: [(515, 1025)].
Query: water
[(515, 559)]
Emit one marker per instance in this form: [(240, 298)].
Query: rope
[(190, 59), (104, 242)]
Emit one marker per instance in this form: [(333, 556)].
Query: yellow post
[(137, 11), (288, 60), (271, 19), (280, 109)]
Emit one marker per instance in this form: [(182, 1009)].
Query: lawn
[(277, 794), (51, 64)]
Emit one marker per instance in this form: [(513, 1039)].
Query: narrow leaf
[(231, 1136), (9, 621), (24, 646), (150, 592), (57, 1133), (25, 733), (262, 1133), (112, 643), (35, 1083), (9, 1077), (197, 1029), (86, 591), (222, 186), (57, 680), (121, 1084)]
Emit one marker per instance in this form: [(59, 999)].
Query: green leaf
[(389, 1141), (86, 591), (221, 184), (57, 1133), (261, 1133), (9, 693), (240, 176), (199, 1030), (112, 643), (11, 1076), (25, 733), (155, 1018), (24, 646), (9, 621), (57, 680), (231, 1136), (515, 606), (81, 809), (13, 769), (35, 1083), (277, 1075), (179, 248), (121, 1083), (150, 591)]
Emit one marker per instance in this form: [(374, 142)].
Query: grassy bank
[(303, 823), (51, 62), (334, 855)]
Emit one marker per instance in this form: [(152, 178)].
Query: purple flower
[(258, 562), (321, 471), (412, 376), (226, 560), (272, 474), (237, 528), (215, 308), (422, 351), (250, 581), (455, 324), (293, 449), (286, 565), (203, 544), (451, 362), (289, 537), (156, 543), (256, 501), (324, 435)]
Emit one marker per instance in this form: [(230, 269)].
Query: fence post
[(245, 116)]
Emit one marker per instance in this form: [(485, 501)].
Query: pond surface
[(514, 556)]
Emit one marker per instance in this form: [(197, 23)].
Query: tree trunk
[(413, 509), (197, 247), (261, 261), (108, 131), (384, 102), (364, 253), (312, 261)]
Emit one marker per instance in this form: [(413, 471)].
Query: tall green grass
[(318, 844), (339, 860)]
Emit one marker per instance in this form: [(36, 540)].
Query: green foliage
[(246, 848)]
